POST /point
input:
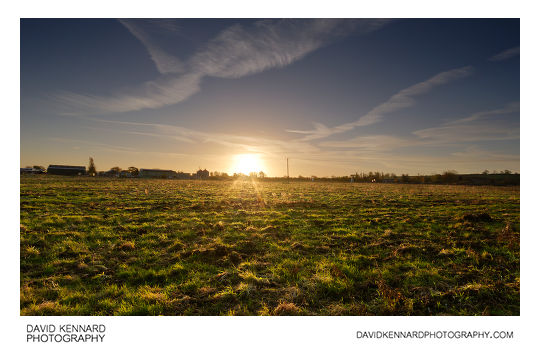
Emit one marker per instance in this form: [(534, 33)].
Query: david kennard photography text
[(65, 333)]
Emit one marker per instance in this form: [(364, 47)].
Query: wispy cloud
[(467, 160), (165, 90), (112, 148), (475, 153), (239, 51), (165, 62), (235, 52), (370, 143), (504, 55), (270, 147), (507, 109), (454, 134), (372, 151), (481, 126), (90, 143), (401, 100)]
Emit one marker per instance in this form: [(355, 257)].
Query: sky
[(334, 96)]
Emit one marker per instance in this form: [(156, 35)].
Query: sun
[(247, 163)]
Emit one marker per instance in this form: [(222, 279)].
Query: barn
[(156, 173), (66, 170)]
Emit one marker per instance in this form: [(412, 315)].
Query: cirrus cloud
[(235, 52)]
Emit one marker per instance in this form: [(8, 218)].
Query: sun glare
[(247, 163)]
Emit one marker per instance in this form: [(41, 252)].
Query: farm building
[(111, 173), (202, 174), (66, 170), (32, 170), (183, 175), (125, 174), (155, 173)]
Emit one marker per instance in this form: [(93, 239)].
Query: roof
[(67, 167), (154, 170)]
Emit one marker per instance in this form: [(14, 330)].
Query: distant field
[(94, 246)]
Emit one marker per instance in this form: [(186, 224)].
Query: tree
[(405, 178), (262, 174), (91, 167), (449, 176), (116, 169), (134, 171)]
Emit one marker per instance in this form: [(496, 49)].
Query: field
[(95, 246)]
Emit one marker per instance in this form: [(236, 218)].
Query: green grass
[(94, 246)]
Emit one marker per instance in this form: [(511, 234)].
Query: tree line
[(504, 177)]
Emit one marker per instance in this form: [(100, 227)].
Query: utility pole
[(287, 170)]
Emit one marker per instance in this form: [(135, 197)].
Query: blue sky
[(335, 96)]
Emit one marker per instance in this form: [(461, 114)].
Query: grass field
[(94, 246)]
